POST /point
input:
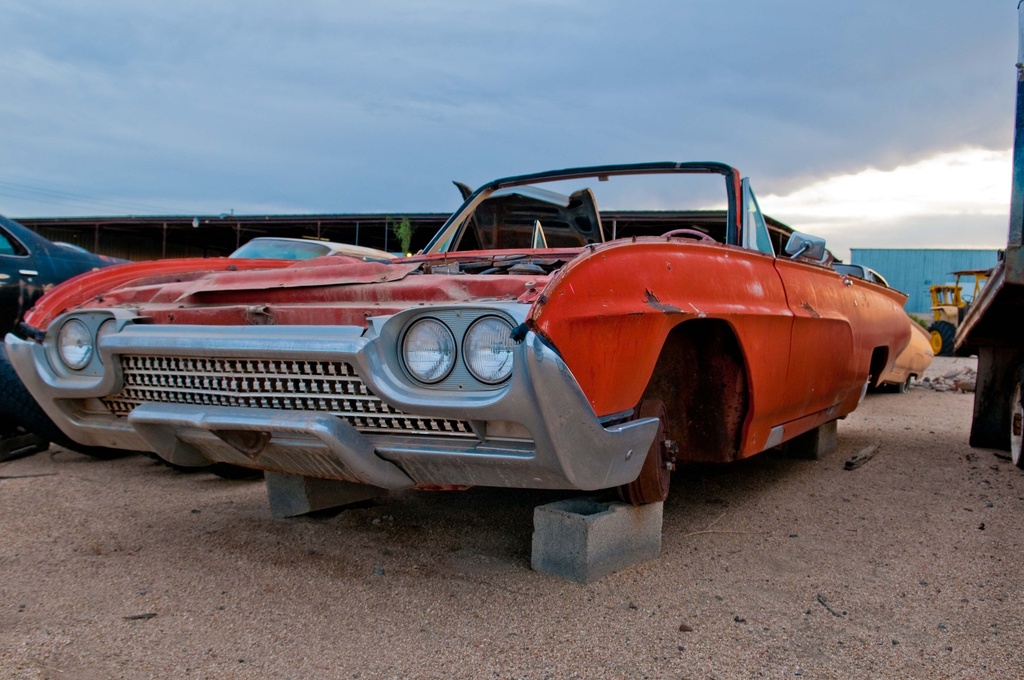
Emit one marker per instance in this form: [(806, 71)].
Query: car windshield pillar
[(755, 231)]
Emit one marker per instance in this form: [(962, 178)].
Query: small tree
[(403, 231)]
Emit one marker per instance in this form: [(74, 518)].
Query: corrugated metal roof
[(915, 270)]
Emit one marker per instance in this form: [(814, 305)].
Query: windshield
[(564, 210), (280, 249)]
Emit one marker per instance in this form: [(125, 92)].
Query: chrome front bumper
[(536, 431)]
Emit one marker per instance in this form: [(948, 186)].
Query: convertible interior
[(532, 217)]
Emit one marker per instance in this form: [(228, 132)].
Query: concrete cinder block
[(293, 495), (816, 444), (583, 539)]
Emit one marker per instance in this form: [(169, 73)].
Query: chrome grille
[(292, 385)]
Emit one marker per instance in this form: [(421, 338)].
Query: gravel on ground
[(908, 566)]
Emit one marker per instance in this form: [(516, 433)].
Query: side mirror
[(805, 245)]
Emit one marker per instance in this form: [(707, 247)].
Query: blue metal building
[(915, 270)]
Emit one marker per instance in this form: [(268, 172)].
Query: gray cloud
[(327, 106)]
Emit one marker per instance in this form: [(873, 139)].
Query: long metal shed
[(914, 270)]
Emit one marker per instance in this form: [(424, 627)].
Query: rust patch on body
[(806, 306), (258, 315), (700, 377), (652, 301)]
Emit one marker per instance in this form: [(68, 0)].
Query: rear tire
[(943, 334)]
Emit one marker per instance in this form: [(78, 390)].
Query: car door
[(823, 368), (820, 369), (17, 280)]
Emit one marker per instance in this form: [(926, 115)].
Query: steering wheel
[(691, 233)]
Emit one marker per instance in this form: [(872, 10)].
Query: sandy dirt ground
[(907, 567)]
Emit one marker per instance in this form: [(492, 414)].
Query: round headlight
[(487, 349), (429, 350), (74, 344)]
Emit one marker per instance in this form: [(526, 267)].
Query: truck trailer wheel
[(942, 337), (1016, 426)]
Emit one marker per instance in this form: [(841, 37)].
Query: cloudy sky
[(873, 123)]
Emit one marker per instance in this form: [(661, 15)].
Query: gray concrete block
[(816, 444), (292, 495), (582, 539)]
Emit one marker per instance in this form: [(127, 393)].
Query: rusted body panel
[(97, 285), (804, 366), (625, 298), (322, 291), (534, 367)]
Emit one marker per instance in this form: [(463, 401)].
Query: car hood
[(327, 290)]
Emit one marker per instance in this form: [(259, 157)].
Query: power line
[(50, 194)]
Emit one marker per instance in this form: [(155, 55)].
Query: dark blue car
[(29, 266)]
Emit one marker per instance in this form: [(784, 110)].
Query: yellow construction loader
[(949, 308)]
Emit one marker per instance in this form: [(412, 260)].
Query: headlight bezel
[(468, 354), (75, 325), (112, 322), (458, 319), (445, 333)]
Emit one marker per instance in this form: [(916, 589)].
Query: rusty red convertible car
[(530, 344)]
